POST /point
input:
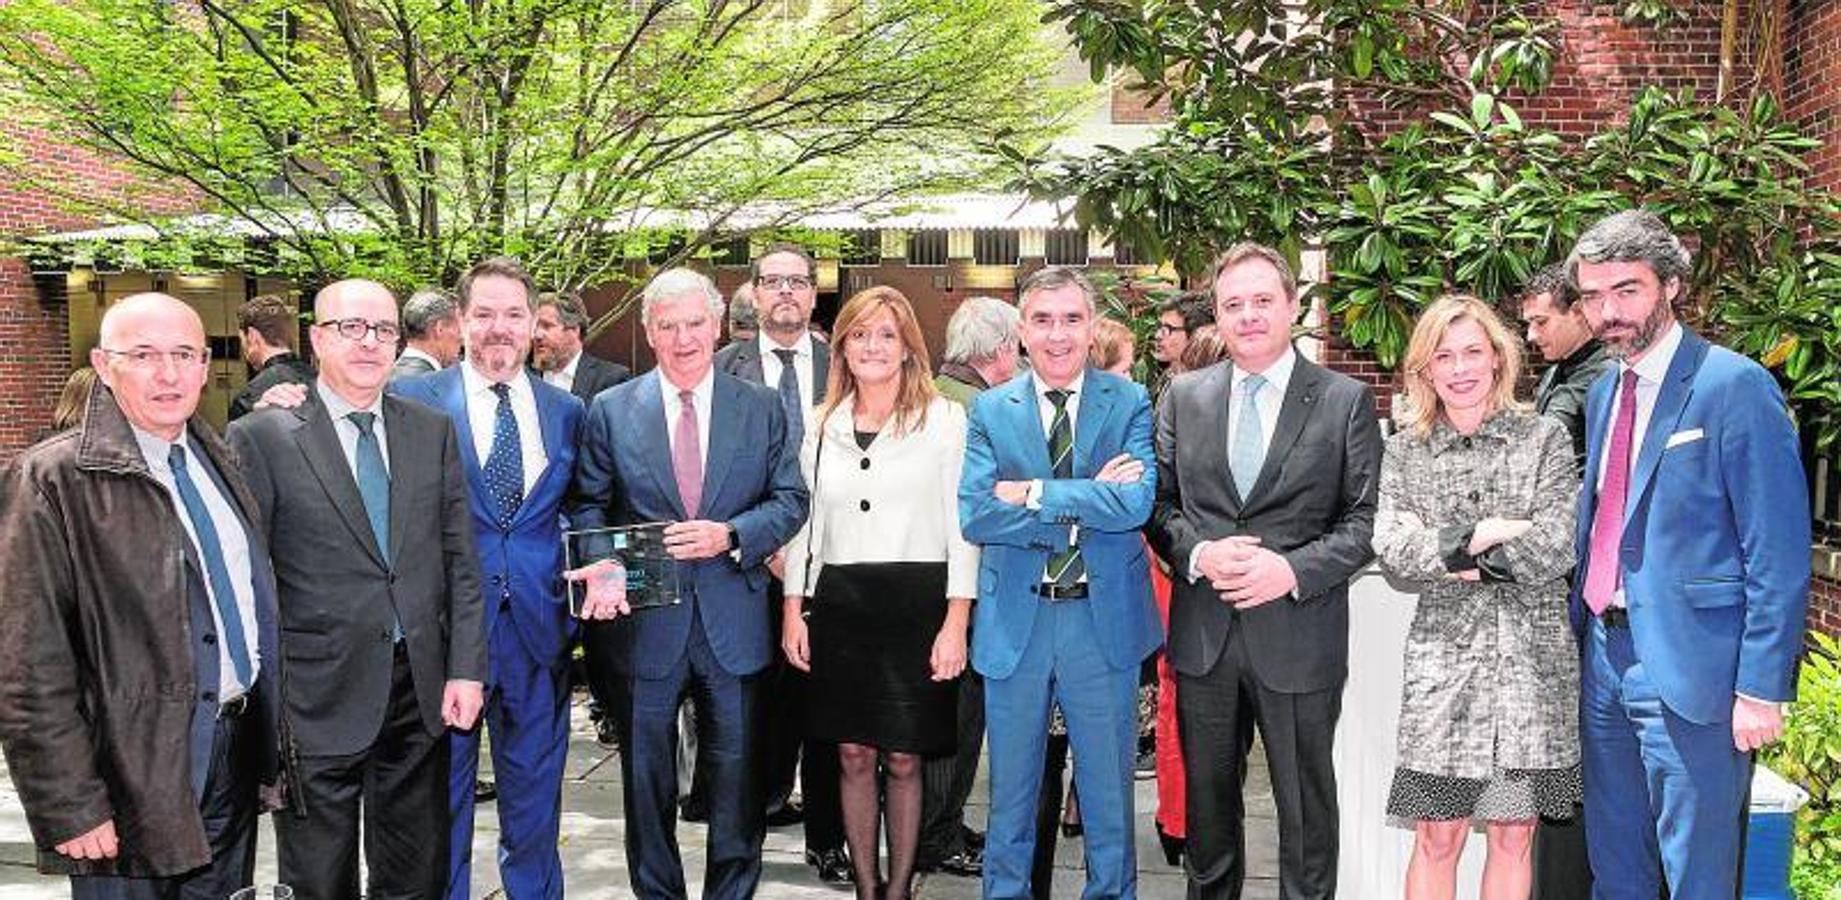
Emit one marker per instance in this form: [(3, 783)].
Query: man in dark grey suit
[(557, 352), (431, 333), (1267, 470), (785, 357), (366, 508)]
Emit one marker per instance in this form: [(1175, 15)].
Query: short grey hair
[(1634, 235), (979, 328), (425, 308), (674, 283), (1055, 278), (742, 313), (569, 309)]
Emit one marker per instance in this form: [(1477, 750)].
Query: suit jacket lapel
[(652, 432), (549, 427), (1096, 405), (402, 446), (748, 363), (821, 371), (1022, 397), (320, 445), (725, 401), (453, 399), (1597, 418), (1293, 412), (1671, 399)]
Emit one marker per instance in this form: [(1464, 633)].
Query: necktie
[(1602, 570), (373, 480), (789, 393), (1248, 453), (223, 594), (687, 455), (1064, 568), (505, 462)]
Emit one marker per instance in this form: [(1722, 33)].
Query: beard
[(1644, 334)]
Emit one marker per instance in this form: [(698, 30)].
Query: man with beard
[(518, 437), (785, 357), (1693, 575), (558, 353), (270, 329)]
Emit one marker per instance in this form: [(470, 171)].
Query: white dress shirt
[(802, 365), (483, 411), (700, 400), (231, 539), (1271, 396), (565, 377), (338, 408), (1045, 408)]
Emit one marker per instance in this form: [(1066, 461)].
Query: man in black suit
[(431, 333), (366, 507), (783, 356), (1267, 470), (556, 349), (270, 329)]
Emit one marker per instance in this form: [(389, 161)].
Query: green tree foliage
[(1275, 139), (405, 138), (1810, 755)]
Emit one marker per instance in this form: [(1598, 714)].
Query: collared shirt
[(483, 411), (802, 364), (1650, 370), (339, 409), (1270, 396), (1046, 409), (231, 539), (414, 353), (700, 400), (565, 377)]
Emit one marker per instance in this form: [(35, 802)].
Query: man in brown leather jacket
[(139, 677)]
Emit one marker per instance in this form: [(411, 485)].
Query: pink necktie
[(687, 455), (1601, 574)]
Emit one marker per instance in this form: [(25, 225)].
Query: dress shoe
[(788, 813), (967, 863), (1072, 830), (972, 838), (691, 809), (605, 735), (833, 865), (485, 791)]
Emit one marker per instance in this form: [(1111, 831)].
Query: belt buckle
[(1055, 593), (233, 707)]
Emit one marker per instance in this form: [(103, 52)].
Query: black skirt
[(872, 628)]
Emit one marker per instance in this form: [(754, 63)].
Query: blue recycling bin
[(1770, 836)]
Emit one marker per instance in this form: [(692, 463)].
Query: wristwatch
[(735, 540)]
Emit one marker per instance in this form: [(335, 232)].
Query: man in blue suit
[(712, 455), (518, 445), (1693, 576), (1055, 487)]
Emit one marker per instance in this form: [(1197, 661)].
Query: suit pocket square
[(1684, 437)]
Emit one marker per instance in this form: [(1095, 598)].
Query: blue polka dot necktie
[(505, 463)]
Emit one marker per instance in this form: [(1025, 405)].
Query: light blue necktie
[(373, 480), (505, 462), (223, 593), (1248, 453)]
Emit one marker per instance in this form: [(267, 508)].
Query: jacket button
[(392, 577), (208, 696), (864, 506), (864, 463), (209, 638)]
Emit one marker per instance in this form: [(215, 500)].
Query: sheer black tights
[(901, 810)]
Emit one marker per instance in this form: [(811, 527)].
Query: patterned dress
[(1489, 724)]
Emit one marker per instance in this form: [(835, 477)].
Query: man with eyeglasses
[(140, 712), (518, 435), (365, 503), (785, 357)]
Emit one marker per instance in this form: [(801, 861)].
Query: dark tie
[(373, 480), (223, 593), (687, 455), (789, 393), (505, 463), (1608, 519), (1064, 568)]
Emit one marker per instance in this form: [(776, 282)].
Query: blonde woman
[(1476, 510), (891, 580)]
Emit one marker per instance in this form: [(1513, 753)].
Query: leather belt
[(1054, 592), (1615, 617), (234, 707)]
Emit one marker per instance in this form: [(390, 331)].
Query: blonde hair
[(1423, 406), (916, 387), (74, 399), (1112, 339)]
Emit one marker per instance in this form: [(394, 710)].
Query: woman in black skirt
[(890, 578)]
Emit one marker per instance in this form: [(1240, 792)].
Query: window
[(1066, 247), (995, 247), (927, 248)]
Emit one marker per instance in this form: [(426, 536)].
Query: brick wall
[(34, 356), (1812, 72)]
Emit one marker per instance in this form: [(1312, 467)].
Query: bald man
[(141, 694), (365, 505)]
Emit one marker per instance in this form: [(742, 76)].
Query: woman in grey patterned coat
[(1476, 510)]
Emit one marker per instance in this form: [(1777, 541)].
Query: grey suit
[(594, 375), (364, 707), (407, 366), (1279, 666), (742, 359)]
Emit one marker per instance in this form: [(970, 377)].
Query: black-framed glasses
[(149, 358), (778, 282), (1165, 328), (355, 329)]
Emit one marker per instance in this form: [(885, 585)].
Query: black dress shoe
[(833, 865), (967, 863), (605, 735), (485, 791), (972, 839), (1173, 847), (787, 813), (691, 809)]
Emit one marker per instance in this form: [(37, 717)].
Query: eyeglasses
[(149, 359), (1164, 329), (354, 330), (780, 282)]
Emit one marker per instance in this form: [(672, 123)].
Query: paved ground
[(592, 830)]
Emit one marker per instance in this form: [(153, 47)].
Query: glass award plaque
[(651, 573)]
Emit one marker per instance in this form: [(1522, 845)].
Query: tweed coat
[(1492, 672)]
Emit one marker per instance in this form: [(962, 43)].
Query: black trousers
[(1217, 714), (398, 785), (783, 695), (228, 808), (1561, 869), (946, 781)]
